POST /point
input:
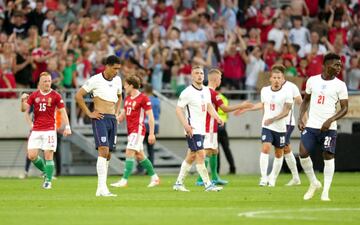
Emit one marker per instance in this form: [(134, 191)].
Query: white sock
[(264, 163), (203, 174), (277, 164), (101, 172), (307, 166), (329, 168), (107, 167), (184, 170), (291, 162)]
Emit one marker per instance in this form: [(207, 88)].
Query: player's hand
[(24, 97), (326, 125), (120, 118), (96, 115), (151, 139), (246, 105), (301, 125), (268, 122), (220, 122), (240, 112), (67, 132), (188, 130)]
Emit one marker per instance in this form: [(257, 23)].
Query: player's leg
[(129, 166), (267, 139), (277, 164), (214, 167), (223, 139), (199, 181), (290, 158), (49, 168), (328, 146), (147, 165), (307, 144), (184, 170), (279, 144), (34, 144)]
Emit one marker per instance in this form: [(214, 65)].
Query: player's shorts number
[(327, 141)]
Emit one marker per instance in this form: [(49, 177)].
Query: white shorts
[(135, 142), (44, 140), (211, 141)]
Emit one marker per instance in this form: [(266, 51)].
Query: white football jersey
[(107, 90), (324, 96), (273, 105), (195, 103), (294, 91)]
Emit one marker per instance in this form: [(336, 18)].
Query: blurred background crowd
[(162, 39)]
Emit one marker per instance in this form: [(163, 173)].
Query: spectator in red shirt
[(166, 12), (270, 55), (264, 22), (40, 56)]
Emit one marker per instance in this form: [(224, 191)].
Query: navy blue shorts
[(289, 130), (196, 142), (277, 139), (311, 138), (105, 131)]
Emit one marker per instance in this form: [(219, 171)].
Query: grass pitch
[(72, 201)]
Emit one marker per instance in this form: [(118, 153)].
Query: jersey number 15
[(42, 107)]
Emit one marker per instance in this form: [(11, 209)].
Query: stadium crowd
[(162, 39)]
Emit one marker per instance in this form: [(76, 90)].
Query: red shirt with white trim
[(211, 124), (135, 108), (44, 109)]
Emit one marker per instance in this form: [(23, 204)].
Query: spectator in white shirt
[(277, 34), (299, 34), (314, 40)]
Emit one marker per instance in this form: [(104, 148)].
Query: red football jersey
[(44, 109), (211, 124), (135, 108)]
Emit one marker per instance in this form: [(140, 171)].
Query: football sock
[(101, 172), (307, 166), (329, 167), (39, 163), (129, 165), (264, 162), (184, 170), (277, 164), (148, 166), (214, 166), (49, 169), (203, 173), (207, 159), (291, 162)]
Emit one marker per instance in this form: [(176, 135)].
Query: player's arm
[(303, 108), (182, 119), (298, 100), (242, 106), (65, 118), (79, 97), (213, 113), (284, 113), (28, 118), (255, 107), (118, 105), (342, 112), (24, 105), (150, 115)]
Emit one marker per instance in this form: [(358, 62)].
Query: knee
[(266, 148), (32, 156), (328, 155), (287, 149), (279, 153), (303, 153), (103, 151)]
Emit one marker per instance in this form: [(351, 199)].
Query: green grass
[(72, 201)]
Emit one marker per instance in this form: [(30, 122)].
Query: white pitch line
[(264, 214)]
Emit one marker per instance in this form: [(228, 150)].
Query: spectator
[(36, 17), (64, 15), (353, 77), (299, 34), (276, 34), (40, 56), (255, 65), (23, 65)]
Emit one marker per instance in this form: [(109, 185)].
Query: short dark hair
[(134, 80), (278, 68), (331, 56), (111, 60), (148, 89)]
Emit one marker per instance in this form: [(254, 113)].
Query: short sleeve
[(289, 99), (119, 91), (30, 100), (59, 102), (89, 85), (262, 94), (343, 93), (218, 100), (296, 91), (183, 99), (308, 89), (146, 103)]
